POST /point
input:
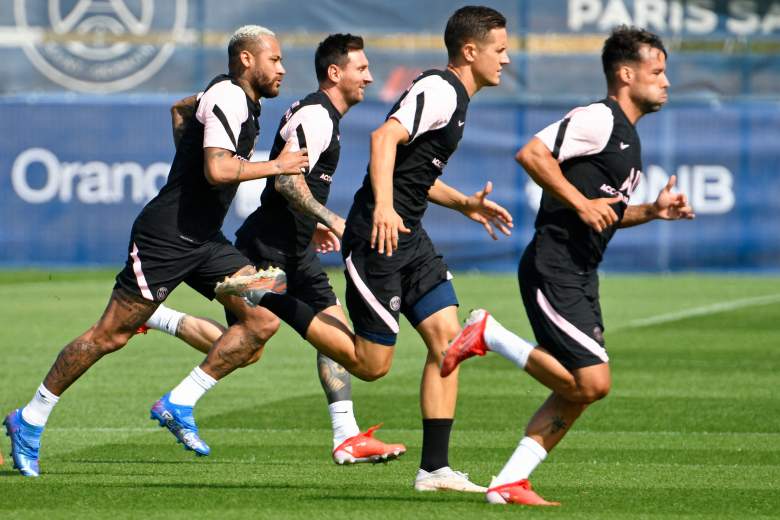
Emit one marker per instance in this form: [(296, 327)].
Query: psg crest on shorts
[(100, 45)]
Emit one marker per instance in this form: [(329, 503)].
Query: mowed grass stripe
[(689, 431)]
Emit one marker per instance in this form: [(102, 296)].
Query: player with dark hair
[(589, 163), (391, 265), (283, 232), (176, 238)]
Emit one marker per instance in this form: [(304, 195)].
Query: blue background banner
[(86, 87), (75, 172)]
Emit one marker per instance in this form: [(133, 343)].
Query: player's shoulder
[(597, 112), (311, 109), (435, 85), (222, 90)]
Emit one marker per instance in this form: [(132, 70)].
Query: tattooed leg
[(123, 315), (335, 380), (243, 342)]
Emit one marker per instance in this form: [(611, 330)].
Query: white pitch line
[(700, 311), (398, 430)]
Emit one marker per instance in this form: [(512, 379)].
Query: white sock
[(506, 343), (521, 464), (192, 388), (37, 411), (165, 319), (342, 419)]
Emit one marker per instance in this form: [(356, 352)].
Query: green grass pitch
[(690, 430)]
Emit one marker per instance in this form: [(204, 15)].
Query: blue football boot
[(181, 423), (25, 442)]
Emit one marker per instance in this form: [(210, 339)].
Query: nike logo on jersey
[(461, 123), (623, 145)]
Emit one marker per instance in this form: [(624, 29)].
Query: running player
[(589, 163), (282, 232), (391, 264), (176, 238)]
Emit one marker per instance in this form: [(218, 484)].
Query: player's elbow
[(526, 156), (378, 137), (214, 174)]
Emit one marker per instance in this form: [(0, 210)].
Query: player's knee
[(596, 391), (372, 373), (262, 326), (108, 341)]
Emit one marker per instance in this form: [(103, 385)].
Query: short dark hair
[(471, 22), (623, 46), (334, 50)]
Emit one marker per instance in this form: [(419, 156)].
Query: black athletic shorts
[(156, 266), (564, 312), (379, 287)]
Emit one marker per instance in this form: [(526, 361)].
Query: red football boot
[(519, 492), (470, 342), (363, 447)]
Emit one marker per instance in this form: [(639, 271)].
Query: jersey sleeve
[(222, 110), (310, 128), (584, 131), (427, 106)]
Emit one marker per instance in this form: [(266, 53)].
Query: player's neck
[(630, 109), (336, 98), (464, 74), (246, 86)]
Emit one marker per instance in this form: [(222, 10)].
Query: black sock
[(436, 443)]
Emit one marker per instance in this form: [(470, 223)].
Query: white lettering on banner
[(710, 188), (97, 182), (742, 17), (93, 182)]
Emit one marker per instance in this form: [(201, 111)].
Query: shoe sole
[(164, 424), (239, 285), (374, 459), (433, 487)]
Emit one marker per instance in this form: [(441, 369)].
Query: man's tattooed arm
[(182, 112), (298, 194)]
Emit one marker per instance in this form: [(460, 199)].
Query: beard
[(266, 87), (648, 106)]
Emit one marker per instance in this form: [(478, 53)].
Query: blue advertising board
[(74, 172)]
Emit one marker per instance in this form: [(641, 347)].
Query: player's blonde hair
[(245, 37)]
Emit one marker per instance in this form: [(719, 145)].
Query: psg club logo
[(100, 45), (162, 293)]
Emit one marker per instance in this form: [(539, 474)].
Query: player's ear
[(469, 50), (334, 73), (625, 73), (247, 60)]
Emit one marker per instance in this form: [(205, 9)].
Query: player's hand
[(672, 206), (337, 227), (292, 163), (325, 240), (386, 227), (479, 209), (598, 214)]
